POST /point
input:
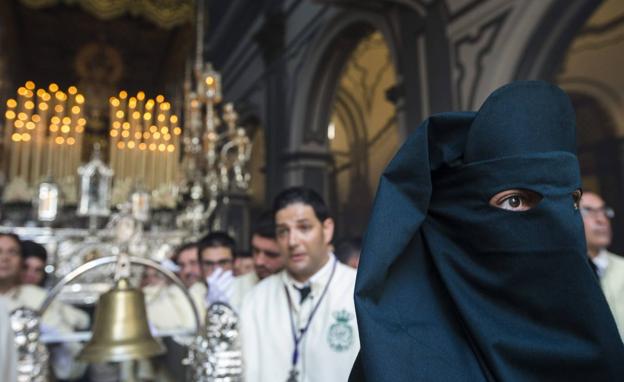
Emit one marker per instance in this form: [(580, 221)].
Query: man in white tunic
[(299, 324), (608, 266), (168, 308), (58, 318), (186, 257), (266, 259)]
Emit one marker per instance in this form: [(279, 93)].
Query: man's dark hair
[(15, 238), (217, 239), (347, 248), (183, 247), (33, 249), (244, 254), (302, 195), (264, 226)]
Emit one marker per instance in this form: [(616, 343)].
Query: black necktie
[(593, 267), (303, 292)]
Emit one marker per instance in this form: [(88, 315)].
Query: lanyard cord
[(297, 339)]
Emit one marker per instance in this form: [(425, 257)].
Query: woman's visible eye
[(516, 200), (576, 196)]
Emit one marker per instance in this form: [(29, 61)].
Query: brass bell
[(120, 330)]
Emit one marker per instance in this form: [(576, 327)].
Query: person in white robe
[(300, 324), (267, 261), (59, 318), (608, 266), (168, 309)]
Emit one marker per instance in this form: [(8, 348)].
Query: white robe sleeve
[(8, 353), (249, 340)]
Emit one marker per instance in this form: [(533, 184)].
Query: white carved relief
[(487, 44), (455, 6), (470, 53)]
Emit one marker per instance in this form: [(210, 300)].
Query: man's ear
[(328, 230)]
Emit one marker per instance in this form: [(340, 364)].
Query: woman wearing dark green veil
[(474, 264)]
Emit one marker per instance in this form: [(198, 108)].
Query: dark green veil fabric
[(452, 289)]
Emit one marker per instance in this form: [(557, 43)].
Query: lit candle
[(143, 168), (25, 154), (153, 159), (49, 153), (171, 163), (38, 136), (79, 137), (177, 131), (29, 133), (15, 144), (9, 118)]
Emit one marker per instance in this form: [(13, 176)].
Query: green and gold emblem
[(340, 336)]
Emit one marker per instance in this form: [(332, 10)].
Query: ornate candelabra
[(217, 150)]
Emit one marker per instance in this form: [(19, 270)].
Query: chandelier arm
[(84, 268)]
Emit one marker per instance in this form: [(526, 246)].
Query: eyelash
[(516, 200), (505, 198), (576, 197)]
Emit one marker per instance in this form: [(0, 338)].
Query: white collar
[(601, 260), (316, 282)]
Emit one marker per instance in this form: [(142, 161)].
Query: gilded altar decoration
[(95, 187), (48, 201), (216, 149), (140, 204), (17, 191), (32, 356), (43, 131), (144, 145), (217, 152), (164, 13), (99, 67), (215, 355)]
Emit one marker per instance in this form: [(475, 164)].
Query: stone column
[(271, 39)]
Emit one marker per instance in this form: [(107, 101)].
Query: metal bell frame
[(120, 259)]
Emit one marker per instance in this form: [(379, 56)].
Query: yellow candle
[(113, 157), (143, 169), (37, 144), (153, 177), (171, 167), (15, 138), (79, 137), (25, 154), (9, 117), (49, 151)]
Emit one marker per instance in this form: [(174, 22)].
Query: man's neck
[(305, 278), (593, 252), (7, 285)]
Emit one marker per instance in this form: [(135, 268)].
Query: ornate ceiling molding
[(164, 13), (375, 5)]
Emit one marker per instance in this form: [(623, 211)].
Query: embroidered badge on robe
[(340, 336)]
